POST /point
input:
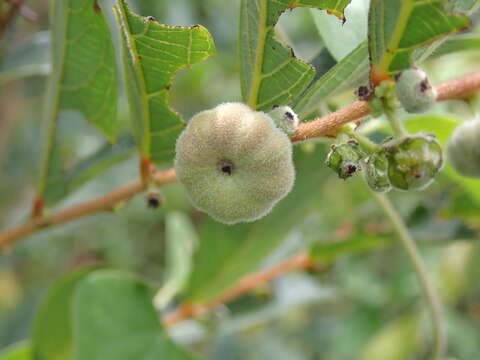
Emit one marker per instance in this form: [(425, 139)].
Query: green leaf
[(52, 330), (32, 58), (114, 319), (398, 27), (181, 240), (83, 79), (463, 42), (351, 71), (152, 54), (340, 37), (88, 168), (397, 340), (270, 73), (329, 251), (227, 252), (18, 351)]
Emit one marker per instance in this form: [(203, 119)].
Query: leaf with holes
[(397, 27), (83, 80), (270, 73), (152, 54)]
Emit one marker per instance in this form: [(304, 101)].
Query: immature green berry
[(464, 148), (234, 163), (413, 161), (376, 172), (345, 158), (382, 99), (414, 90), (285, 119)]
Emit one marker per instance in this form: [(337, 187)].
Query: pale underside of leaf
[(153, 53), (83, 79)]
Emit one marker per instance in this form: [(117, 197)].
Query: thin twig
[(104, 203), (243, 286), (431, 295), (324, 126)]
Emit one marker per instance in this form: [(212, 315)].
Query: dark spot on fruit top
[(424, 85), (153, 203), (154, 200), (226, 167), (364, 92), (289, 115), (351, 168)]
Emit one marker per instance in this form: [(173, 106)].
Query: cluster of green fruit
[(407, 163), (236, 163)]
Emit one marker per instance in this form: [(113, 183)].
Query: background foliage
[(362, 302)]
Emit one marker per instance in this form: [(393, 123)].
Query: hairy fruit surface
[(234, 163), (464, 148)]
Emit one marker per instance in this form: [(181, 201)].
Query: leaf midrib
[(132, 50), (406, 9), (51, 115), (257, 73)]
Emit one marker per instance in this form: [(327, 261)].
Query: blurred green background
[(362, 305)]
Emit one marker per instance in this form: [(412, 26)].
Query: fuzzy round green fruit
[(414, 90), (234, 163), (464, 148)]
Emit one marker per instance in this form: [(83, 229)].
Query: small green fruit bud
[(285, 119), (344, 159), (414, 90), (413, 161), (383, 99), (464, 148), (234, 163), (376, 172)]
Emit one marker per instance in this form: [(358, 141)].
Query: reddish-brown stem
[(243, 286), (38, 207), (324, 126), (104, 203)]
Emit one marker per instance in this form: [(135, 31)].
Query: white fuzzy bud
[(285, 119), (234, 163)]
